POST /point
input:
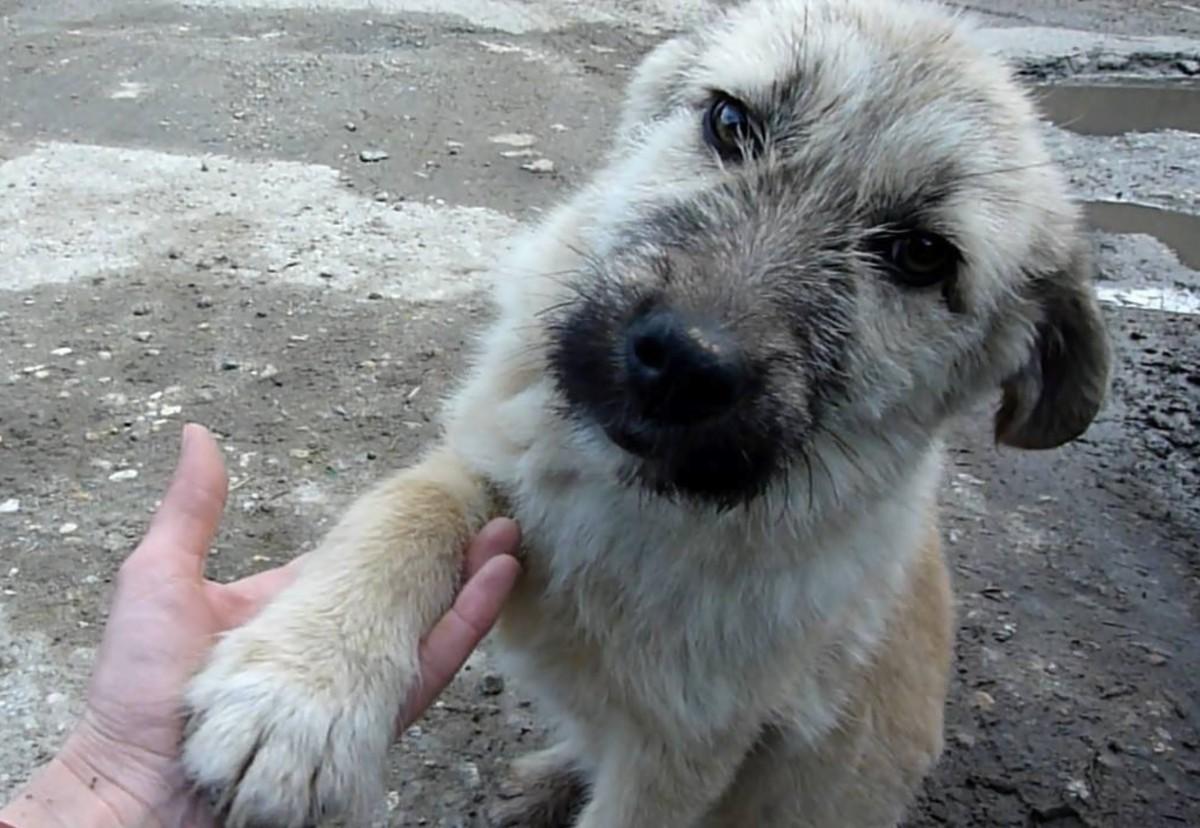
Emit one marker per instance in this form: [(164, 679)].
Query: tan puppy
[(713, 398)]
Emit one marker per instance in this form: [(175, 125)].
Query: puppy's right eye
[(729, 129)]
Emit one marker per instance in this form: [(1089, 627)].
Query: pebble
[(68, 528), (541, 166), (123, 474), (10, 506), (1079, 789), (982, 700), (492, 684), (469, 772), (514, 139), (59, 352), (1189, 67), (372, 156), (143, 336)]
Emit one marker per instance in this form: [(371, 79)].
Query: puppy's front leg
[(292, 717), (644, 780)]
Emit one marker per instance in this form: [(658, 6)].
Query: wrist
[(93, 782), (58, 797)]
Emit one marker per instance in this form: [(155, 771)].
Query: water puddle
[(1114, 108), (1178, 231), (1128, 106)]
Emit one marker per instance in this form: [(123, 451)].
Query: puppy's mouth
[(676, 394)]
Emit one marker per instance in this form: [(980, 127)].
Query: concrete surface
[(273, 217)]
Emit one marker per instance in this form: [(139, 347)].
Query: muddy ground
[(188, 231)]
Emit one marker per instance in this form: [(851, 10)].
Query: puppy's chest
[(663, 612)]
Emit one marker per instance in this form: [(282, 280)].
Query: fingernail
[(501, 535)]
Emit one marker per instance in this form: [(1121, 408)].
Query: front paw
[(278, 742)]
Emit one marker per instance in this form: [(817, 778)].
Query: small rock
[(10, 506), (515, 139), (492, 684), (141, 310), (68, 528), (62, 352), (1079, 789), (541, 166), (559, 127), (374, 295), (372, 156), (1112, 63), (123, 474), (1189, 67), (300, 454), (964, 739), (143, 336), (351, 126), (982, 700), (469, 772), (204, 302)]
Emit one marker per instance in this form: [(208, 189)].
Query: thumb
[(186, 522)]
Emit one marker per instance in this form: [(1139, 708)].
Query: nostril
[(651, 352), (682, 371)]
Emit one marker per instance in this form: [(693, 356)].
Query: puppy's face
[(823, 219)]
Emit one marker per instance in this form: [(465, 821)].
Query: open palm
[(165, 617)]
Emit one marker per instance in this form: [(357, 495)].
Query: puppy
[(713, 397)]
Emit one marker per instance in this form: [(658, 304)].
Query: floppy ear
[(1055, 396)]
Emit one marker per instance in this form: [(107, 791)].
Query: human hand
[(121, 760)]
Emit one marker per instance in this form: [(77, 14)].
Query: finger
[(186, 522), (242, 600), (502, 536), (461, 629)]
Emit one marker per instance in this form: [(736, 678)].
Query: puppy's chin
[(716, 465)]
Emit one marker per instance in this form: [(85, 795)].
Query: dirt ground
[(191, 228)]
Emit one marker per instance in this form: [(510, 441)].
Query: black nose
[(680, 371)]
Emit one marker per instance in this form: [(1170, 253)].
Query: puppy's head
[(823, 219)]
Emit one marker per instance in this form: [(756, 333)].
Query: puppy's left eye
[(729, 129), (921, 259)]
